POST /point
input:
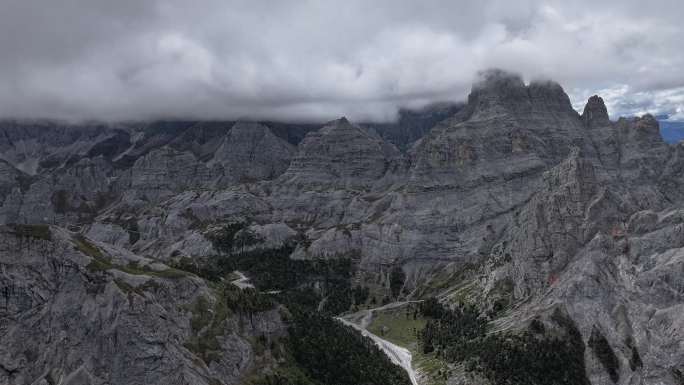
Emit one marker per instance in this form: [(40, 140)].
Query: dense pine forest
[(538, 355), (321, 351), (318, 350)]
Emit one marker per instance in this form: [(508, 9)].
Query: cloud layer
[(131, 59)]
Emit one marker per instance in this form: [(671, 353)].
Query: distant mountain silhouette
[(672, 132)]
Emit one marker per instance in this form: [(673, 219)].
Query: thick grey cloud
[(132, 59)]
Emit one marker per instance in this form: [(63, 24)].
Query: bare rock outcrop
[(75, 311), (251, 152), (341, 156)]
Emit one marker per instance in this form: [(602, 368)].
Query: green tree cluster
[(530, 357)]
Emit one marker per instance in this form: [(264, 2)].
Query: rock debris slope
[(570, 211), (76, 311)]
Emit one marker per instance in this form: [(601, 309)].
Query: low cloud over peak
[(299, 60)]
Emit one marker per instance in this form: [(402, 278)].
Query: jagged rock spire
[(595, 112), (500, 92)]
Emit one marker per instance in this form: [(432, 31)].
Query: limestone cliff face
[(10, 179), (251, 152), (595, 113), (76, 311), (341, 156), (77, 176), (166, 171), (569, 210)]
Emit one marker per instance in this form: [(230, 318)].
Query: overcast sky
[(142, 59)]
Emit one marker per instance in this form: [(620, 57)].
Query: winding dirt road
[(242, 282), (397, 354)]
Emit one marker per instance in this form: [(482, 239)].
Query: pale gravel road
[(242, 282), (397, 354)]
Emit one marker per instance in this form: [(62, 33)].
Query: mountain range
[(551, 226)]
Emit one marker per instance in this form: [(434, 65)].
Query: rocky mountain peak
[(342, 128), (342, 121), (647, 122), (500, 92), (341, 151), (550, 97), (498, 79), (497, 84), (251, 152), (595, 113), (644, 131)]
